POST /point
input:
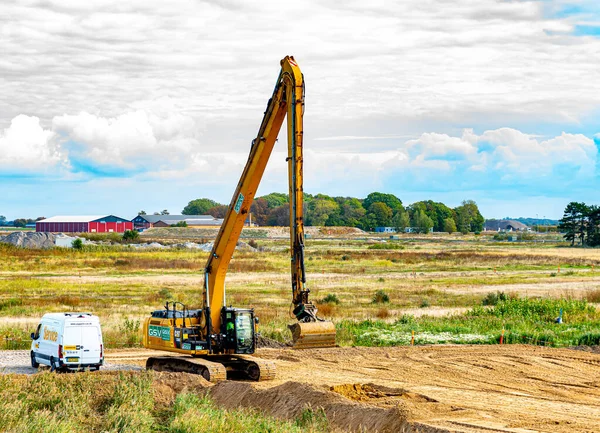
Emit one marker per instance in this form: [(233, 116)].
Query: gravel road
[(19, 362)]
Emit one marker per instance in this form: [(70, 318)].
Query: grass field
[(127, 403), (445, 289)]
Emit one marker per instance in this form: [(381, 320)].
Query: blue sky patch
[(581, 30)]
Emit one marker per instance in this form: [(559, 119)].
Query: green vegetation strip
[(125, 403), (530, 321)]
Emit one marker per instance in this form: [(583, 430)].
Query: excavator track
[(259, 369), (212, 371)]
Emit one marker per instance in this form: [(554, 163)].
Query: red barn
[(84, 224)]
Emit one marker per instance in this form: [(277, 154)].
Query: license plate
[(72, 359)]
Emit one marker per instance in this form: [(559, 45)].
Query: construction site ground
[(509, 388)]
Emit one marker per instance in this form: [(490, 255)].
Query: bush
[(77, 244), (165, 294), (381, 297), (180, 224), (330, 299), (130, 235), (494, 298), (386, 246)]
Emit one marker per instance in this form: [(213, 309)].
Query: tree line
[(18, 222), (581, 223), (376, 210)]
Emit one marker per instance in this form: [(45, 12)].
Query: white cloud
[(25, 147), (134, 140), (174, 90), (432, 59)]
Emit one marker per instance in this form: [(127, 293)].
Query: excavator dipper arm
[(287, 99)]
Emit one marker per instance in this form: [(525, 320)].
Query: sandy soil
[(509, 388)]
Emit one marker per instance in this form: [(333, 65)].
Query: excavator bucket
[(308, 335)]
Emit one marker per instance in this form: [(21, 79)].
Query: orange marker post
[(502, 337), (559, 269), (412, 340)]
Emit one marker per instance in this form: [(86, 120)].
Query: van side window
[(37, 332)]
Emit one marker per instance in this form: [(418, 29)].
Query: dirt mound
[(30, 240), (268, 343), (166, 386), (590, 349), (290, 399)]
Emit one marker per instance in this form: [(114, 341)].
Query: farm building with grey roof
[(505, 226)]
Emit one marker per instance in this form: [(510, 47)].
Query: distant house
[(84, 224), (415, 230), (505, 226), (385, 229), (143, 222)]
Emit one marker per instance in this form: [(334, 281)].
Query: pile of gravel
[(30, 239)]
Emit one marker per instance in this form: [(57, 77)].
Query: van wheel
[(34, 363), (52, 365)]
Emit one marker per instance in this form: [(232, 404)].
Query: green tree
[(280, 216), (401, 220), (393, 202), (142, 212), (422, 222), (20, 222), (368, 222), (320, 209), (260, 211), (218, 211), (449, 225), (275, 199), (164, 212), (351, 211), (468, 218), (437, 211), (381, 213), (2, 220), (593, 226), (199, 206), (573, 223)]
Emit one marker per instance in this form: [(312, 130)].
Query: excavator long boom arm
[(287, 99)]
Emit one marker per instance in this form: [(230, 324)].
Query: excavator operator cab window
[(244, 332)]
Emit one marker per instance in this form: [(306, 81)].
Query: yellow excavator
[(221, 339)]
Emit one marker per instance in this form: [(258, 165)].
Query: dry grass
[(119, 283), (383, 313), (593, 296)]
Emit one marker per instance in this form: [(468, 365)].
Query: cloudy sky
[(111, 106)]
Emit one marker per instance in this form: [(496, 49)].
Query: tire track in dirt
[(510, 388)]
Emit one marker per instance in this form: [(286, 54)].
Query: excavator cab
[(237, 327)]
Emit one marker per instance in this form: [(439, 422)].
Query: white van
[(68, 341)]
